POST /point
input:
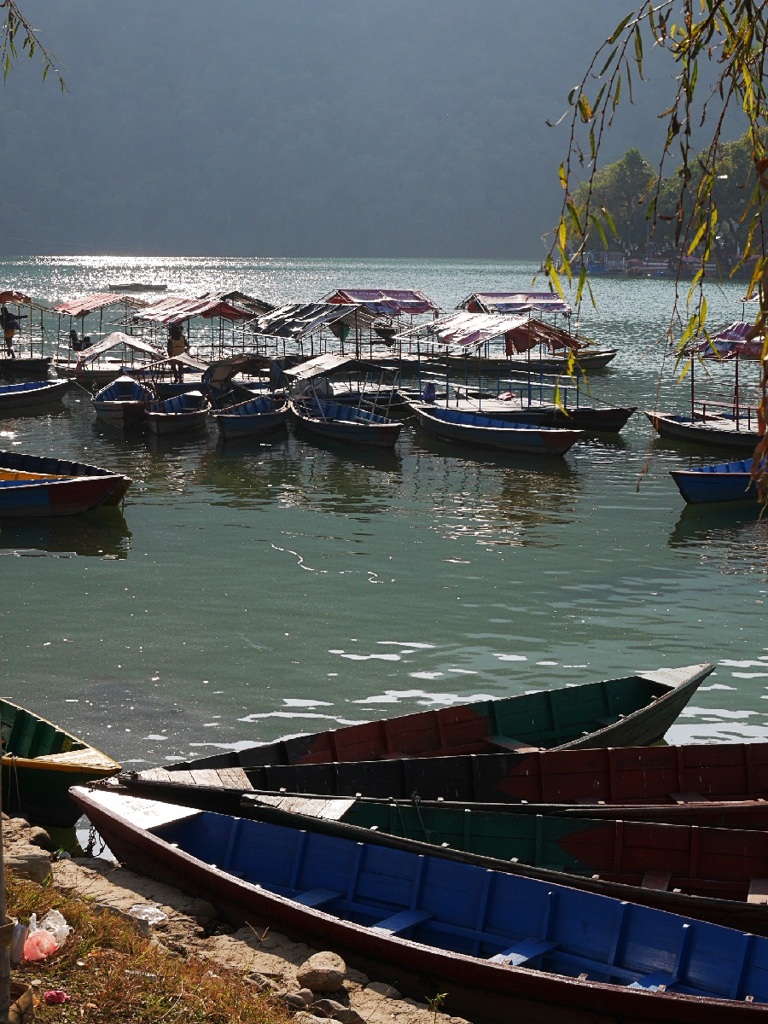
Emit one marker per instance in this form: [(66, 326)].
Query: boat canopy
[(20, 299), (299, 320), (385, 301), (175, 309), (320, 366), (739, 340), (219, 374), (466, 329), (100, 300), (117, 339), (515, 302)]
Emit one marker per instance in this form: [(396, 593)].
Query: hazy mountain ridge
[(404, 127)]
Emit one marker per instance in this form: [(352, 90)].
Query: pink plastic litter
[(55, 995), (39, 945)]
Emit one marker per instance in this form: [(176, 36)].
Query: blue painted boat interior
[(187, 402), (474, 420), (506, 919), (344, 413), (124, 389), (30, 385)]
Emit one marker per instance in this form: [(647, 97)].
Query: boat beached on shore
[(499, 946), (40, 762)]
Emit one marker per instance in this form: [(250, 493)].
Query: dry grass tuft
[(113, 974)]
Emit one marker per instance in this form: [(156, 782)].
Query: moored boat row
[(505, 912)]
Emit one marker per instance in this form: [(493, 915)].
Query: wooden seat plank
[(400, 922), (315, 897), (521, 952), (507, 743)]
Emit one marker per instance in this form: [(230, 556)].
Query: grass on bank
[(114, 974)]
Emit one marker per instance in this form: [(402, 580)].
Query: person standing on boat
[(177, 345), (10, 325)]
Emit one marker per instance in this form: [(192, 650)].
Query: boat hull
[(40, 763), (597, 359), (640, 708), (31, 395), (611, 419), (726, 481), (37, 486), (499, 947), (346, 425), (250, 419), (478, 431), (718, 431), (706, 873), (184, 413), (24, 367), (123, 403)]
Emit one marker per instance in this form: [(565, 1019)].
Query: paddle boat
[(499, 946), (32, 485)]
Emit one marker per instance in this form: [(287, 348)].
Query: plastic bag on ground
[(45, 936), (54, 923), (146, 912)]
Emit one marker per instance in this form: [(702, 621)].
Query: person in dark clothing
[(9, 324)]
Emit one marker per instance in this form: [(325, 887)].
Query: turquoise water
[(282, 586)]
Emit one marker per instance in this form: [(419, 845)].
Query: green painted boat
[(713, 874), (40, 762), (630, 711)]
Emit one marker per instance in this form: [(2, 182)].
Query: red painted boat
[(721, 785)]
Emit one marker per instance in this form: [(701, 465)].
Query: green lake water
[(281, 586)]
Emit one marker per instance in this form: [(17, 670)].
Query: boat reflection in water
[(103, 533)]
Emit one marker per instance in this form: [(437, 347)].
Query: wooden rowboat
[(725, 481), (713, 874), (500, 946), (740, 433), (258, 415), (719, 785), (123, 403), (41, 761), (32, 485), (180, 414), (347, 424), (634, 710), (478, 431), (30, 395)]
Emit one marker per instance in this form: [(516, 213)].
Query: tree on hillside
[(624, 190), (730, 37)]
